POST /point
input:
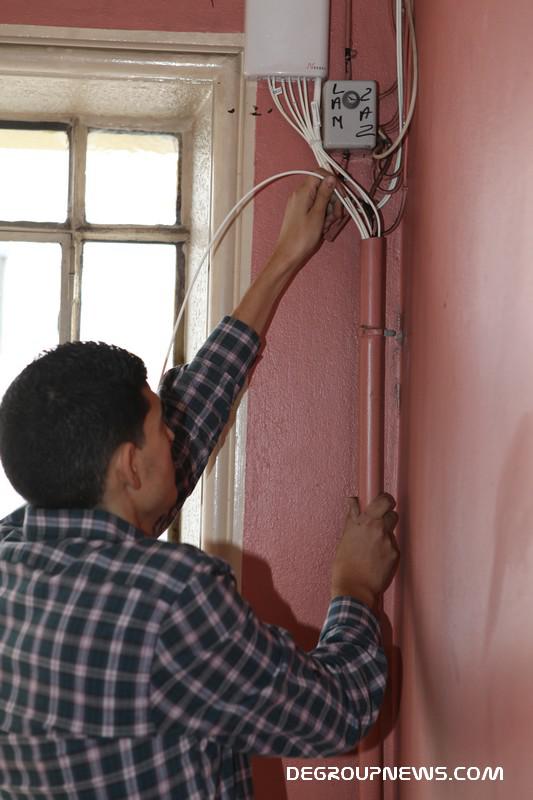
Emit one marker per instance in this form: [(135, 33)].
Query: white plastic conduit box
[(286, 38), (349, 111)]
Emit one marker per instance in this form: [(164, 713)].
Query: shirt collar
[(47, 524)]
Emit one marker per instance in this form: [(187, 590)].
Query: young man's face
[(156, 468)]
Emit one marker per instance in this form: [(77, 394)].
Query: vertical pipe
[(371, 432)]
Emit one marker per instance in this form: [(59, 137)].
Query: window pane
[(131, 178), (34, 170), (30, 287), (128, 298)]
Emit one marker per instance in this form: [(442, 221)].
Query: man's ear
[(125, 466)]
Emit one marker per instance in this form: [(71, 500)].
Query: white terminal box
[(349, 115), (287, 38)]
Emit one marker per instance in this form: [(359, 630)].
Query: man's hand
[(310, 213), (367, 555)]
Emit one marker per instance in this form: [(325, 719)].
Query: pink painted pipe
[(371, 431), (371, 368)]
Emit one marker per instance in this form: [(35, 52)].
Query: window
[(120, 153), (110, 263)]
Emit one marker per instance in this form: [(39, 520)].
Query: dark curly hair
[(64, 416)]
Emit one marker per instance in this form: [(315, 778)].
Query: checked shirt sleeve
[(222, 674), (197, 398)]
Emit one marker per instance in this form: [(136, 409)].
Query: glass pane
[(127, 299), (30, 289), (34, 170), (191, 517), (131, 178)]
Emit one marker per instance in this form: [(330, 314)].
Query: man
[(131, 668)]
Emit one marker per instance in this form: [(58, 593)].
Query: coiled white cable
[(229, 218)]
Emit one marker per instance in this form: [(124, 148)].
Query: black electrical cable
[(395, 172), (394, 190), (399, 216), (388, 91), (378, 177), (348, 42)]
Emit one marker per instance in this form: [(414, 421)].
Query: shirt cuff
[(243, 327), (232, 347), (345, 611)]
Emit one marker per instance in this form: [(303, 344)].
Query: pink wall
[(467, 446), (302, 424), (302, 431), (223, 16)]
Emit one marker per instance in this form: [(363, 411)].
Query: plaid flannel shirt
[(131, 669)]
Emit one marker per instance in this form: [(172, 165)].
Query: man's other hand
[(368, 554)]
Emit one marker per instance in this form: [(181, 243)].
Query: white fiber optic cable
[(389, 192), (325, 157), (299, 115), (414, 50), (392, 185), (399, 60), (306, 125), (307, 136), (403, 126), (218, 235), (358, 187), (291, 99), (274, 92), (304, 102), (364, 229)]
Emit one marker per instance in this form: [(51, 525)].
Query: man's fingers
[(334, 212), (355, 509), (335, 228), (323, 196), (391, 520), (380, 505), (311, 183)]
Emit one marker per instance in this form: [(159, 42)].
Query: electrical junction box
[(349, 111), (286, 38)]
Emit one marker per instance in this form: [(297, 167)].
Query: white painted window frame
[(159, 62)]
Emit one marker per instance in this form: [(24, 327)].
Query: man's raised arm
[(197, 398), (304, 226)]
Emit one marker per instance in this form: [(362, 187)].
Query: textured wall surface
[(467, 446)]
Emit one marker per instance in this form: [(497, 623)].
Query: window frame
[(213, 63), (76, 231)]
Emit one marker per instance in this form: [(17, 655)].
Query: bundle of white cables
[(291, 98), (397, 145)]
